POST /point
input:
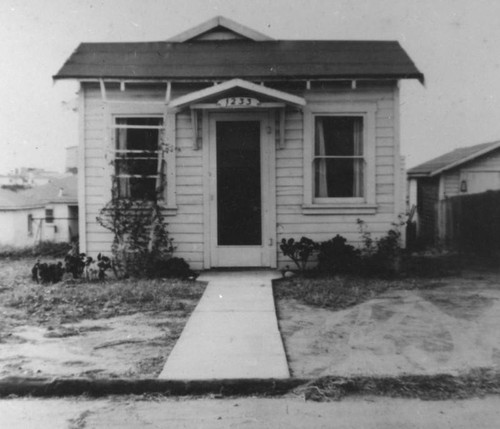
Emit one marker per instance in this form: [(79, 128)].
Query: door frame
[(268, 182)]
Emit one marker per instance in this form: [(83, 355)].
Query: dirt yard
[(418, 326), (73, 328)]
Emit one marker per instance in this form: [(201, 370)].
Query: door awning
[(198, 99)]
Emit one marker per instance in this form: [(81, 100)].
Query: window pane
[(137, 188), (143, 163), (338, 178), (136, 138), (339, 136), (49, 215), (128, 164)]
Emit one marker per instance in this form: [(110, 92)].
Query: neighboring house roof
[(452, 159), (11, 200), (58, 191), (252, 56)]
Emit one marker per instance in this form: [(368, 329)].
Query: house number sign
[(238, 102)]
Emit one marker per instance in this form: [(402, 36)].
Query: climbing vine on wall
[(141, 242)]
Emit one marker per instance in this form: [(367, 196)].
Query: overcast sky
[(455, 43)]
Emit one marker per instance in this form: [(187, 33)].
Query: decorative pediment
[(219, 28), (245, 95)]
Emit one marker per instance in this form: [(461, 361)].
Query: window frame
[(49, 218), (161, 132), (143, 110), (364, 204)]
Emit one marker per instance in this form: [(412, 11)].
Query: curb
[(54, 387)]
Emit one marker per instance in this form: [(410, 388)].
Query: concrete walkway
[(233, 332)]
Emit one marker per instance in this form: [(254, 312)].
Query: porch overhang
[(198, 97), (275, 99)]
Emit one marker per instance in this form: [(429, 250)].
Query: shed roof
[(246, 59), (452, 159), (58, 191)]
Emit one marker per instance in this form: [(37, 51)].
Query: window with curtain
[(138, 160), (338, 157)]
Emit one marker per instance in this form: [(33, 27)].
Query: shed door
[(239, 197)]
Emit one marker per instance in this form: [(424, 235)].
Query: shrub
[(173, 267), (335, 256), (381, 256), (298, 251)]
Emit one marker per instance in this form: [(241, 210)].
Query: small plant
[(336, 256), (383, 255), (298, 251)]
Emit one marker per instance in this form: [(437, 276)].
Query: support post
[(168, 93), (194, 125)]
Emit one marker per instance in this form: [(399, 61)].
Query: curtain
[(321, 163), (358, 162), (123, 183)]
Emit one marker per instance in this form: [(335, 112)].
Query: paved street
[(130, 413)]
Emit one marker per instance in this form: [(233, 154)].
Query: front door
[(239, 194)]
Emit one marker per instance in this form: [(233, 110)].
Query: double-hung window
[(339, 156), (339, 162), (138, 161)]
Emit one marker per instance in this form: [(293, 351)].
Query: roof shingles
[(243, 59), (449, 159)]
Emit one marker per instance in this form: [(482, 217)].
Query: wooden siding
[(187, 224), (291, 221), (489, 163), (451, 183)]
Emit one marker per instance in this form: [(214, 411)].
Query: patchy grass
[(335, 293), (79, 316), (74, 300), (478, 382), (42, 249)]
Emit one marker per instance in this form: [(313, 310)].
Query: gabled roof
[(219, 24), (221, 88), (452, 159), (246, 59), (58, 191)]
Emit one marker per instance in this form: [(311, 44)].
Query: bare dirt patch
[(102, 329), (414, 326)]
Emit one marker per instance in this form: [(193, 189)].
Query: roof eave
[(418, 76)]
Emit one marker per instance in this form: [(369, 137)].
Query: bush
[(381, 256), (335, 256), (170, 268), (298, 251)]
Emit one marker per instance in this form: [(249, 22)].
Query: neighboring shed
[(43, 213), (258, 139), (466, 170)]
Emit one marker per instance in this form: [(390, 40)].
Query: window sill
[(338, 208)]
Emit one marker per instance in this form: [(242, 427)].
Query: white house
[(44, 213), (258, 139)]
